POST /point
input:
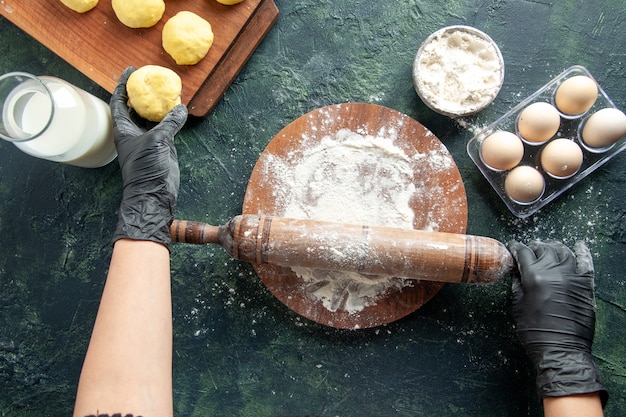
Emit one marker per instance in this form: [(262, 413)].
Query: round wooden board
[(439, 200)]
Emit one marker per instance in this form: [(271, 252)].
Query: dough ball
[(80, 6), (139, 13), (153, 91), (229, 2), (187, 38)]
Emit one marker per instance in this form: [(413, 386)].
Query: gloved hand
[(554, 309), (149, 165)]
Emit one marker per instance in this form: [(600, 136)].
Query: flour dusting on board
[(356, 178), (353, 178)]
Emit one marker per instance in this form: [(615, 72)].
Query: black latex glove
[(149, 166), (554, 309)]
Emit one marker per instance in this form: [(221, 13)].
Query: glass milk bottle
[(48, 118)]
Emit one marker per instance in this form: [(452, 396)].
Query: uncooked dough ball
[(153, 91), (80, 6), (187, 38), (139, 13)]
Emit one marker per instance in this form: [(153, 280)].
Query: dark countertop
[(238, 351)]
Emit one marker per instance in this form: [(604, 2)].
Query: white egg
[(604, 128), (501, 150), (576, 95), (524, 184), (561, 158), (538, 122)]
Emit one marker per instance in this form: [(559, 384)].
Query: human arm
[(128, 363), (583, 405), (554, 309), (128, 366)]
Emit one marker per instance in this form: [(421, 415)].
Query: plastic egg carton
[(569, 128)]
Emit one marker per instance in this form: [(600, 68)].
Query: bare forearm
[(129, 360), (586, 405)]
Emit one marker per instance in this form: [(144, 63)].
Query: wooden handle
[(415, 254), (184, 231)]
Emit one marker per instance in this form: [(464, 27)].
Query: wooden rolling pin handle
[(413, 254), (199, 233)]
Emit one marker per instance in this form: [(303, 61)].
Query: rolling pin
[(369, 250)]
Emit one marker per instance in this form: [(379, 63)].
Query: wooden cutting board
[(101, 47), (439, 201)]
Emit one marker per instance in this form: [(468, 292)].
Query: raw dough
[(80, 6), (187, 37), (139, 13), (153, 91)]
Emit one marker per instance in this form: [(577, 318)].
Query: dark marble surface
[(238, 351)]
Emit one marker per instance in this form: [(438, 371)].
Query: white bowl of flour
[(458, 71)]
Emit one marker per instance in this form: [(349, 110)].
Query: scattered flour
[(352, 178)]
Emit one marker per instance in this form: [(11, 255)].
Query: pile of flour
[(458, 71), (352, 178)]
